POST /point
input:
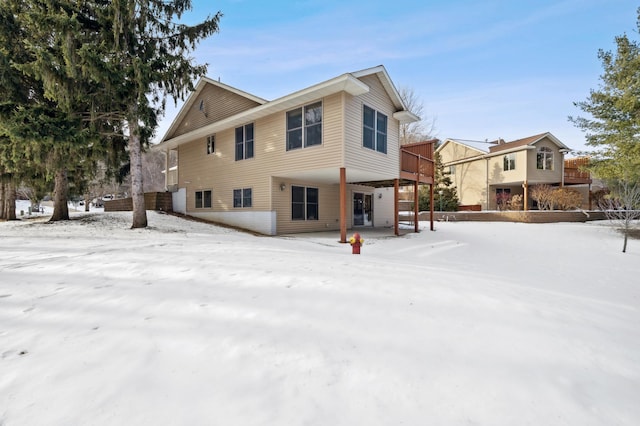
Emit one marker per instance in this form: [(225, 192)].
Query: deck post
[(525, 185), (343, 205), (431, 204), (416, 206), (396, 206)]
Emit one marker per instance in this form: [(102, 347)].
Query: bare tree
[(153, 165), (543, 195), (623, 208), (419, 130)]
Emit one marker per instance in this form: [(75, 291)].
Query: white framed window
[(244, 142), (304, 203), (452, 170), (242, 197), (304, 126), (544, 159), (374, 129), (211, 144), (509, 162), (203, 199)]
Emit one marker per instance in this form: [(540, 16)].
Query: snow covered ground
[(188, 323)]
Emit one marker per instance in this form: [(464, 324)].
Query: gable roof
[(202, 83), (490, 148), (348, 82), (530, 141), (479, 146)]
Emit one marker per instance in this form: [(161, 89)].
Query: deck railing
[(415, 163), (574, 172), (416, 160)]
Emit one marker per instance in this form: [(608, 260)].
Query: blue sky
[(482, 69)]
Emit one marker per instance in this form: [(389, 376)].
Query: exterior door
[(362, 209)]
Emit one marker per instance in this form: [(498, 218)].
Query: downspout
[(562, 168), (487, 179), (166, 170)]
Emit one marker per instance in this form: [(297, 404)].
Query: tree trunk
[(86, 202), (137, 189), (626, 235), (2, 200), (60, 197), (8, 201)]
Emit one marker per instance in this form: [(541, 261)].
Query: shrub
[(566, 199), (516, 202)]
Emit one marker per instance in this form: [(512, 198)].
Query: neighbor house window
[(452, 170), (374, 130), (203, 199), (211, 144), (304, 203), (304, 126), (242, 197), (544, 159), (509, 161), (244, 142)]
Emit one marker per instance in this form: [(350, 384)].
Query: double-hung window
[(509, 162), (374, 130), (242, 197), (544, 160), (244, 142), (304, 126), (304, 203), (203, 199)]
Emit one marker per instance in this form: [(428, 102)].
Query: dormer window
[(544, 160)]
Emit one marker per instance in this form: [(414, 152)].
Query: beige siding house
[(323, 158), (482, 172)]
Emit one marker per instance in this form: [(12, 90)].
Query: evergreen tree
[(42, 114), (142, 56), (613, 128), (445, 196)]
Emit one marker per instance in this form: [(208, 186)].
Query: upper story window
[(544, 160), (304, 126), (211, 144), (374, 130), (244, 142), (509, 162)]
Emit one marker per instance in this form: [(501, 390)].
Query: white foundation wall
[(179, 200), (260, 222)]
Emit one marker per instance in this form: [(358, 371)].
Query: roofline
[(234, 90), (446, 141), (193, 96), (394, 95), (345, 82), (538, 139)]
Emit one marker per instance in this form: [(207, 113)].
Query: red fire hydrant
[(356, 242)]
